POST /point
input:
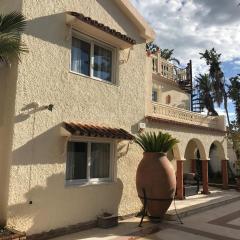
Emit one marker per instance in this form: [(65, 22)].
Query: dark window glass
[(100, 160), (77, 161), (102, 63), (80, 61)]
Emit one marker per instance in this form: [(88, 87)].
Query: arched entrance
[(197, 161), (218, 165)]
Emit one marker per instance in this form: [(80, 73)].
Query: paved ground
[(221, 223), (215, 217)]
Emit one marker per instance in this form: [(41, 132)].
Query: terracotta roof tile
[(79, 129), (102, 27)]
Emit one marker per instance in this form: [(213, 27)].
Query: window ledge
[(79, 183), (96, 79)]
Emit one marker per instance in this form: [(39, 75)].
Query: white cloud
[(191, 26), (237, 62)]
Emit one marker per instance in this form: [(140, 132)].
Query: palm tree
[(234, 94), (216, 75), (11, 27), (204, 87), (168, 55)]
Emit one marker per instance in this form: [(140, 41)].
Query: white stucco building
[(71, 106)]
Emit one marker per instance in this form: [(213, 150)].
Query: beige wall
[(179, 98), (39, 152), (38, 167)]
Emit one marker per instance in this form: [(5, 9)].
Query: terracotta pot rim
[(155, 153)]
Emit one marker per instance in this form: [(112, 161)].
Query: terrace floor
[(217, 215)]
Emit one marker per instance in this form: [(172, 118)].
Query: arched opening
[(168, 99), (197, 163), (194, 153), (217, 168)]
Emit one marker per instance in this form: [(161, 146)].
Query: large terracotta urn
[(156, 176)]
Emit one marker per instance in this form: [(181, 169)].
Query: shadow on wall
[(51, 28), (46, 148), (55, 206)]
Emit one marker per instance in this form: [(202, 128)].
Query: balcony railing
[(167, 70), (167, 112)]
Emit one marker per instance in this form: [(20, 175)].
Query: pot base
[(155, 219)]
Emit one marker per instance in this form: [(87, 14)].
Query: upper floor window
[(92, 58), (168, 99), (89, 161), (154, 95)]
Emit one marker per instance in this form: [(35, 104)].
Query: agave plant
[(152, 142)]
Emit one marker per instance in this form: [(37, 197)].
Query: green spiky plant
[(156, 142)]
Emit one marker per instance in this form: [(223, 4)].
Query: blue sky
[(191, 26)]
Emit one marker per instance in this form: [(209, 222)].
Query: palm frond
[(11, 27), (152, 142), (13, 22)]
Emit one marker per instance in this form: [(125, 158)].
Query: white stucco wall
[(38, 164), (39, 152), (179, 98)]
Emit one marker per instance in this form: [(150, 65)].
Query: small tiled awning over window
[(98, 30), (78, 129)]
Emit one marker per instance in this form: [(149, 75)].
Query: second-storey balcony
[(171, 72), (179, 116)]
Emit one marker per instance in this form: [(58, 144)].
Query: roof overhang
[(189, 125), (131, 12), (85, 130), (98, 30)]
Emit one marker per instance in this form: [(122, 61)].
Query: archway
[(218, 165), (197, 161), (194, 153)]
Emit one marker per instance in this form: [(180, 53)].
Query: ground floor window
[(89, 161)]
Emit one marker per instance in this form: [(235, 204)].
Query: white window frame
[(88, 180), (92, 41)]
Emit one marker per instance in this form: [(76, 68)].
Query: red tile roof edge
[(102, 27), (89, 130)]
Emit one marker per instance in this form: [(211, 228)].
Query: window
[(89, 161), (168, 99), (93, 59), (154, 95)]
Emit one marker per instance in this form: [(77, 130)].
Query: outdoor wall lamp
[(50, 107)]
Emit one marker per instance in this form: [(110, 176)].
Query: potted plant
[(155, 176), (107, 220)]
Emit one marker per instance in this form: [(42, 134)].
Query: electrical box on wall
[(141, 126)]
